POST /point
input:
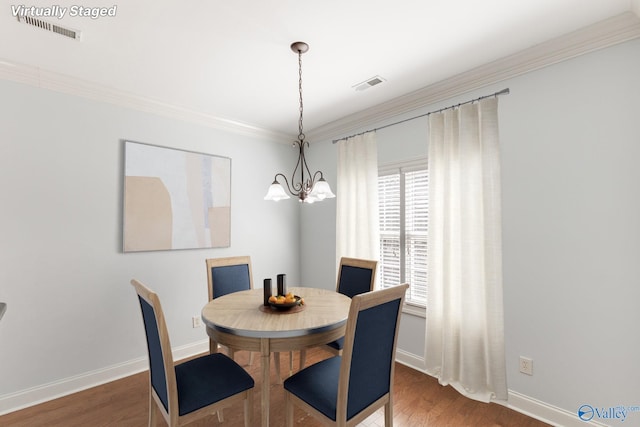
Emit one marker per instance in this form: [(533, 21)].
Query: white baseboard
[(192, 349), (43, 393), (547, 413), (518, 402), (411, 360)]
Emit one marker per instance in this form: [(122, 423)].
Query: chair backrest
[(162, 373), (367, 366), (227, 275), (3, 308), (356, 276)]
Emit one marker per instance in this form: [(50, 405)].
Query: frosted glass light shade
[(276, 192), (321, 190)]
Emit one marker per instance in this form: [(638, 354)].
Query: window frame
[(402, 167)]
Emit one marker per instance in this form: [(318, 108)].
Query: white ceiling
[(231, 59)]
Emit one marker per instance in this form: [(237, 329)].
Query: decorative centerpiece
[(285, 302)]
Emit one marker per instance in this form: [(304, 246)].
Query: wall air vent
[(373, 81), (36, 22)]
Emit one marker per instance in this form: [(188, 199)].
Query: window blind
[(416, 223), (389, 202), (404, 207)]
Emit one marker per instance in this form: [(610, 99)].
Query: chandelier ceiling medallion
[(311, 187)]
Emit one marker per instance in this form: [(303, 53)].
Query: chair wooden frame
[(360, 263), (225, 262), (358, 303), (350, 262), (171, 415), (230, 261)]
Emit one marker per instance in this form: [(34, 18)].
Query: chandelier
[(311, 187)]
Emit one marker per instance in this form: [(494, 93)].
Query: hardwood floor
[(419, 401)]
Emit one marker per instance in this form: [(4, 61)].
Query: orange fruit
[(272, 298)]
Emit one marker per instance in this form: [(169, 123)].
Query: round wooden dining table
[(241, 321)]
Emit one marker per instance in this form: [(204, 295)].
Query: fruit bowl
[(286, 305)]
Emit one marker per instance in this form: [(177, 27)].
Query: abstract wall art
[(175, 199)]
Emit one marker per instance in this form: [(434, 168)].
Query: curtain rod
[(501, 92)]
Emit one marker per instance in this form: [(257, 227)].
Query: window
[(404, 206)]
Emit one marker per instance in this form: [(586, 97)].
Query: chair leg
[(290, 363), (303, 358), (288, 409), (276, 359), (250, 358), (220, 415), (248, 409), (388, 414), (152, 411)]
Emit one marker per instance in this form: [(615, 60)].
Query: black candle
[(267, 291), (282, 284)]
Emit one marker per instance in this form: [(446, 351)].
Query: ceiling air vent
[(373, 81), (35, 22)]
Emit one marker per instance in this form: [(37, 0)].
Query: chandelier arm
[(286, 181), (298, 186), (311, 179)]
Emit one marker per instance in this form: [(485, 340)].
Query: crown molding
[(600, 35), (41, 78), (603, 34)]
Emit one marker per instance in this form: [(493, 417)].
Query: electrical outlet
[(196, 321), (526, 365)]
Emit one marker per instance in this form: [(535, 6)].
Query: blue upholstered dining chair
[(225, 276), (193, 389), (344, 390), (355, 276)]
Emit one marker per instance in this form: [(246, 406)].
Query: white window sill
[(415, 310)]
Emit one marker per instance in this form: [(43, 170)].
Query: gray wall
[(71, 311), (570, 138)]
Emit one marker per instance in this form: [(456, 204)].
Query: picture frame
[(175, 199)]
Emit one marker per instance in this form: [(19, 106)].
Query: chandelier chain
[(300, 133), (311, 187)]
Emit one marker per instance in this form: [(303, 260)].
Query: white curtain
[(465, 326), (357, 198)]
